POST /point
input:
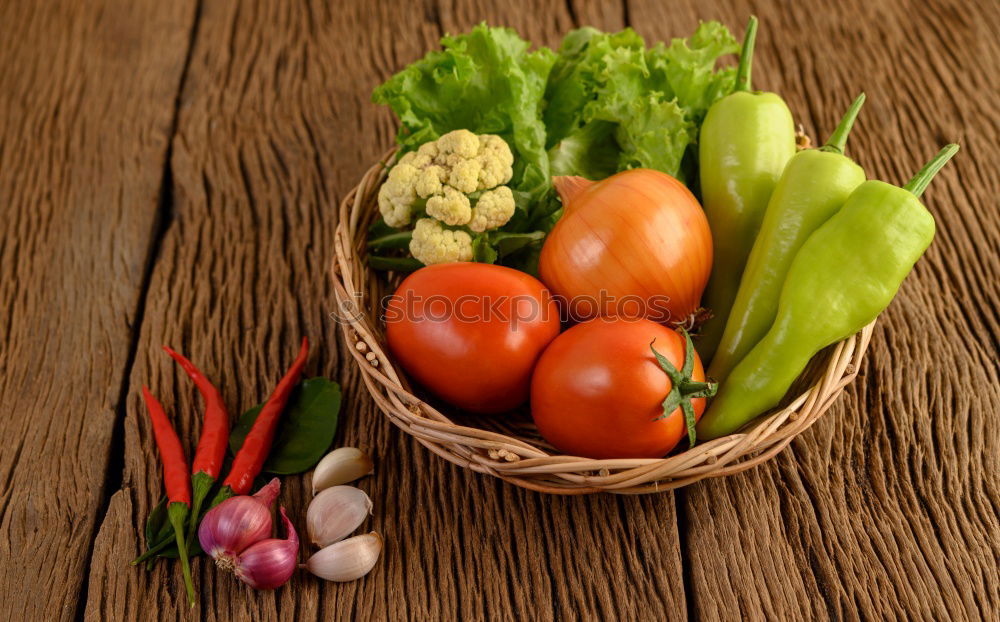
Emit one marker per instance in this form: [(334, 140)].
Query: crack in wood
[(114, 469)]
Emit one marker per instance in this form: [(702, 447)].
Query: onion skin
[(637, 235)]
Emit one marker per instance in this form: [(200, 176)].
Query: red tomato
[(598, 389), (472, 332)]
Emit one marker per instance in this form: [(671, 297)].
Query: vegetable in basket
[(814, 185), (609, 104), (746, 140), (612, 104), (454, 187), (487, 82), (618, 389), (635, 244), (845, 274), (471, 332)]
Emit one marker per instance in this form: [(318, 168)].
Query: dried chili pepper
[(250, 458), (212, 443), (175, 480)]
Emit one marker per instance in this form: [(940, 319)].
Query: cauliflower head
[(439, 177), (432, 243)]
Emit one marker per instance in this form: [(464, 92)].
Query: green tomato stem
[(838, 140), (746, 56), (683, 387), (923, 178)]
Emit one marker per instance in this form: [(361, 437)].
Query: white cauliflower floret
[(459, 144), (438, 178), (431, 243), (452, 208), (497, 161), (464, 175), (397, 194), (494, 209)]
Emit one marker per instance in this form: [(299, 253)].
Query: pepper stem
[(684, 387), (838, 140), (152, 551), (224, 493), (746, 56), (201, 484), (923, 178), (178, 512)]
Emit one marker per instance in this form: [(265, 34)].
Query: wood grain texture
[(888, 508), (86, 108), (275, 126)]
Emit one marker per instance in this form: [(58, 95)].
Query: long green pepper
[(746, 140), (814, 185), (845, 274)]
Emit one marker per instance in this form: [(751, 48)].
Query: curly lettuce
[(485, 81), (613, 104)]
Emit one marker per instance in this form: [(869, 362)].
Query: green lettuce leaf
[(485, 81), (611, 100)]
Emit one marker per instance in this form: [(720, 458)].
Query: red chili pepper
[(250, 458), (214, 438), (175, 472), (215, 425), (175, 479)]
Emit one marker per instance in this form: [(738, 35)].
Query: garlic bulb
[(335, 513), (348, 559), (341, 466)]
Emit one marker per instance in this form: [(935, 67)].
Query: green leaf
[(510, 243), (591, 152), (614, 105), (170, 552), (396, 264), (482, 251), (158, 526), (485, 81), (305, 430)]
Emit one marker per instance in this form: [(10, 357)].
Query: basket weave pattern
[(513, 451)]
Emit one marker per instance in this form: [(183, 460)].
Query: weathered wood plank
[(87, 96), (888, 507), (275, 125)]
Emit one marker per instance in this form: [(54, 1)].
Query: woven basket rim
[(521, 461)]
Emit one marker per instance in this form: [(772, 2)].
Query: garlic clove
[(341, 466), (335, 513), (348, 559)]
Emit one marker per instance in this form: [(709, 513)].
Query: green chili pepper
[(845, 274), (746, 140), (815, 184)]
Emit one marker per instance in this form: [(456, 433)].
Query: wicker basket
[(509, 447)]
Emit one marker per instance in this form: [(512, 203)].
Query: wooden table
[(169, 172)]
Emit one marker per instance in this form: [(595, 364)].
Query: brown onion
[(636, 244)]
